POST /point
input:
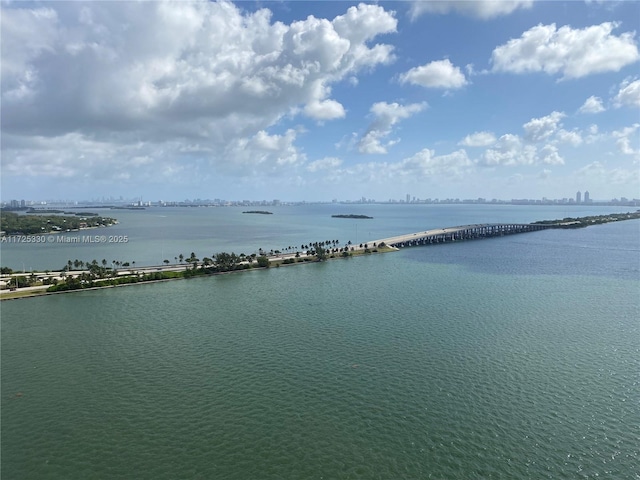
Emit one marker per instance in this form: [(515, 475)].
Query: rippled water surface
[(458, 361)]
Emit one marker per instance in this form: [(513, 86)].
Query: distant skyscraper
[(408, 198), (578, 197), (586, 196)]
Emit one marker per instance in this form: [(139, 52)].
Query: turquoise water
[(515, 358)]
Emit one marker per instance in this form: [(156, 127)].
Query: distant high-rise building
[(586, 197), (408, 198), (578, 197)]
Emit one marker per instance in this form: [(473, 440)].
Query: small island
[(259, 212), (351, 216)]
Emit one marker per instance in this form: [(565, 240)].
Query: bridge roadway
[(464, 232)]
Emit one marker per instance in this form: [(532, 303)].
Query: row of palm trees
[(223, 260), (82, 265)]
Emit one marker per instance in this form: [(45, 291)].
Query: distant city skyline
[(407, 199), (319, 100)]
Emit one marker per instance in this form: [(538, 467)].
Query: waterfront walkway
[(464, 232)]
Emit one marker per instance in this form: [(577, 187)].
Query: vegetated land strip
[(99, 277), (13, 224), (351, 216), (581, 222)]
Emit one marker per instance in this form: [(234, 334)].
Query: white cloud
[(437, 74), (324, 110), (327, 163), (478, 139), (628, 95), (386, 115), (627, 139), (509, 150), (573, 53), (422, 166), (364, 22), (180, 73), (592, 104), (538, 129), (550, 156), (593, 134), (573, 137), (598, 173), (263, 153), (483, 9), (426, 164)]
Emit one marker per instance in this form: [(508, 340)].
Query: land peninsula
[(33, 223), (259, 212), (79, 275)]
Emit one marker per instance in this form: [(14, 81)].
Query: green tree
[(193, 260), (321, 253), (263, 261), (226, 261)]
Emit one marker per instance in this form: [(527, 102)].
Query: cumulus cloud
[(426, 163), (386, 115), (483, 9), (597, 172), (206, 74), (478, 139), (592, 104), (509, 150), (437, 74), (627, 139), (549, 156), (262, 153), (512, 154), (538, 129), (572, 137), (324, 110), (628, 95), (572, 53), (327, 163), (423, 165)]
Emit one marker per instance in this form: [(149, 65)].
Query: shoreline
[(181, 271), (6, 294)]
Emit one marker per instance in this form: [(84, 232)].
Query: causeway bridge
[(464, 232)]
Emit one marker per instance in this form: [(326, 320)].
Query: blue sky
[(320, 100)]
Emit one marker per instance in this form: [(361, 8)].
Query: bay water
[(514, 357)]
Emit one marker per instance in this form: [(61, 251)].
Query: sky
[(320, 100)]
